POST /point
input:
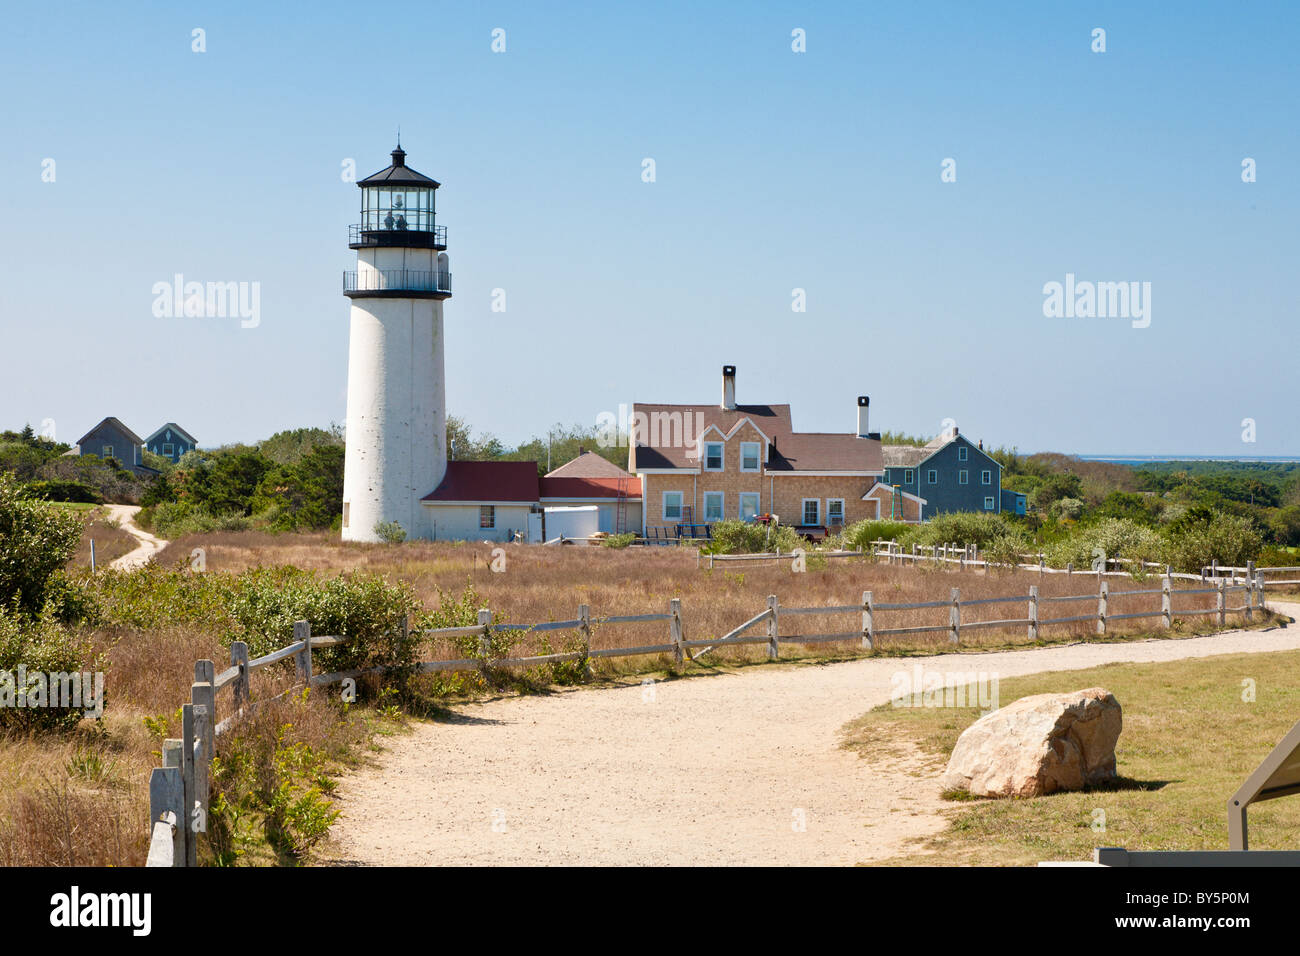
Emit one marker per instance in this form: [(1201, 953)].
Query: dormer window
[(713, 456), (750, 455)]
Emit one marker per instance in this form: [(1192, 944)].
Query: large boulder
[(1038, 745)]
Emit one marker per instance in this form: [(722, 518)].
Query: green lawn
[(1189, 740)]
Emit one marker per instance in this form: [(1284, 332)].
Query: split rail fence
[(179, 790)]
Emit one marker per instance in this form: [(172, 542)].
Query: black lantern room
[(397, 209)]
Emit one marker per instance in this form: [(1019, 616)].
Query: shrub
[(734, 536), (35, 541), (980, 528), (390, 532), (861, 535), (1228, 539), (40, 646), (1113, 537), (618, 540), (57, 490)]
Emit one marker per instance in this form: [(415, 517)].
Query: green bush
[(979, 528), (41, 646), (618, 540), (734, 536), (1228, 539), (1113, 538), (55, 490), (861, 535), (390, 532), (35, 541)]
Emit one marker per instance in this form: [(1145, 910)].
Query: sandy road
[(147, 545), (709, 770)]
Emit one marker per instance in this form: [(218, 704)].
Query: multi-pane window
[(749, 455), (932, 476), (748, 505), (908, 476), (986, 477), (713, 456), (108, 451), (963, 477), (835, 511), (713, 506), (487, 516), (672, 506), (811, 511), (168, 450), (962, 451), (988, 504)]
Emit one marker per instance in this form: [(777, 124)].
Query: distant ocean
[(1152, 459)]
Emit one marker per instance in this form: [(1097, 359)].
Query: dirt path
[(147, 544), (709, 770)]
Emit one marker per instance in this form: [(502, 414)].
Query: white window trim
[(758, 456), (108, 451), (962, 453), (909, 475), (722, 456), (722, 506), (681, 503), (828, 509), (988, 503), (487, 527), (986, 477), (963, 477), (740, 503), (803, 511), (932, 476)]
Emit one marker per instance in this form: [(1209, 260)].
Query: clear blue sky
[(775, 170)]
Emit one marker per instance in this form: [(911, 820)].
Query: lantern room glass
[(387, 208)]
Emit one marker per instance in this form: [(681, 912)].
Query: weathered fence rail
[(179, 790)]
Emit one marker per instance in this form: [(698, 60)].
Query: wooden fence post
[(584, 616), (773, 644), (187, 778), (954, 617), (1250, 591), (1221, 601), (203, 697), (1167, 601), (484, 639), (868, 625), (302, 660), (675, 629), (1033, 612), (239, 658), (1103, 593), (1042, 566), (167, 796)]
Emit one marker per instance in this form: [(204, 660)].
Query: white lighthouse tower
[(397, 417)]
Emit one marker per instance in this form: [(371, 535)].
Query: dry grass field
[(542, 583)]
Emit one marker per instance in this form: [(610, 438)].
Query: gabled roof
[(588, 465), (177, 429), (788, 451), (589, 487), (487, 481), (116, 423), (399, 174), (677, 448)]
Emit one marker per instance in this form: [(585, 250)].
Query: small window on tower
[(487, 516)]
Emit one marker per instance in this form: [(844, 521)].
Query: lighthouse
[(396, 409)]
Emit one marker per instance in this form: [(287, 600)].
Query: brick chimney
[(729, 387)]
